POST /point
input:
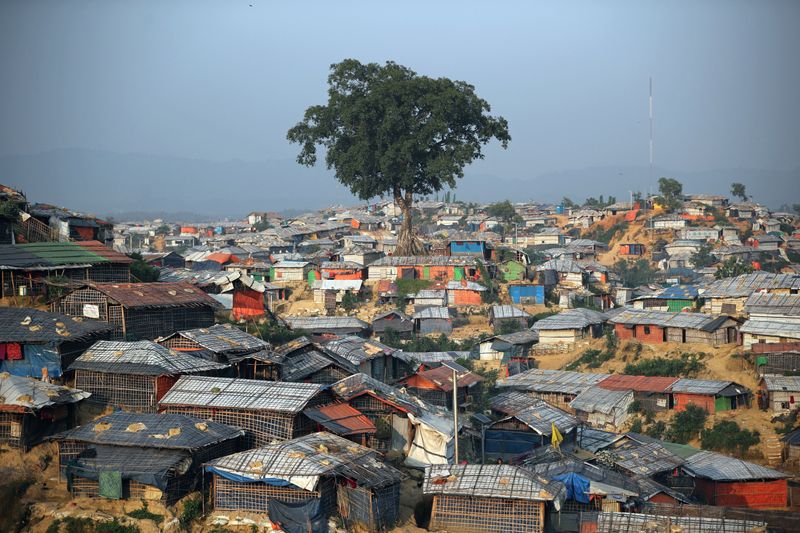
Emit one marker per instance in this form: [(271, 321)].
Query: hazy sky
[(221, 81)]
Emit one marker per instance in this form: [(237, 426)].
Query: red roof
[(222, 258), (158, 294), (443, 378), (341, 419), (637, 383), (97, 247)]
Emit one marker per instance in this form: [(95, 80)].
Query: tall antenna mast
[(650, 176)]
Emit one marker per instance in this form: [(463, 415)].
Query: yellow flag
[(556, 437)]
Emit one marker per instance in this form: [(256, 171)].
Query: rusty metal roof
[(637, 383), (442, 376), (341, 419), (158, 294)]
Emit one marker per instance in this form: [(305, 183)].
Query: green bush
[(657, 429), (727, 436), (145, 514), (636, 427), (687, 365), (686, 425), (192, 510)]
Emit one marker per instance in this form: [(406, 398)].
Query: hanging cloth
[(13, 351)]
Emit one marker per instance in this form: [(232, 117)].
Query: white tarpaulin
[(429, 446)]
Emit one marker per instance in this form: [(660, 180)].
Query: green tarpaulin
[(110, 484)]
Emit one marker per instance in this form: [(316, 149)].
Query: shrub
[(657, 429), (687, 365), (687, 424), (145, 514), (727, 436), (636, 427), (192, 510)]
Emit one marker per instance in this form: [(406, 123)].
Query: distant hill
[(105, 182)]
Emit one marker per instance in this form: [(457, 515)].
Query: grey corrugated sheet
[(357, 350), (540, 417), (326, 323), (118, 429), (560, 381), (34, 394), (317, 454), (747, 284), (302, 366), (597, 399), (636, 523), (432, 312), (774, 328), (519, 337), (571, 319), (250, 394), (141, 357), (699, 386), (594, 440), (32, 326), (431, 294), (465, 285), (561, 265), (221, 338), (508, 311), (718, 467), (571, 464), (491, 481), (644, 459), (773, 304), (666, 319), (432, 357), (782, 383)]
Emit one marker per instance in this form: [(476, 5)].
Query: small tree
[(635, 273), (141, 271), (702, 257), (687, 424), (738, 190), (727, 436), (732, 267), (388, 131), (671, 192)]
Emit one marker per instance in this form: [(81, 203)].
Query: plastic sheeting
[(147, 466), (299, 517), (577, 486), (302, 482), (429, 446), (35, 358)]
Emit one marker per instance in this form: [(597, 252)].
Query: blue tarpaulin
[(34, 358), (577, 486), (243, 479), (299, 517)]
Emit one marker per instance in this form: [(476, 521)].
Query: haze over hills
[(111, 183)]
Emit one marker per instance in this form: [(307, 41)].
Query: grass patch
[(145, 514)]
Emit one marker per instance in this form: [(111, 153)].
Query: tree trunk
[(407, 242)]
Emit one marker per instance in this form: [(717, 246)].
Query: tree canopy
[(504, 211), (671, 192), (388, 131), (732, 267), (738, 190)]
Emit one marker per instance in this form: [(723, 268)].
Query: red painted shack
[(712, 395), (465, 292), (652, 392), (726, 481), (342, 270)]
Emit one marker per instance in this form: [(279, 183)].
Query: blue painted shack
[(526, 294), (475, 248)]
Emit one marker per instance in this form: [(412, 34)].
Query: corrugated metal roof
[(490, 481), (438, 294), (782, 383), (52, 254), (772, 328), (637, 383), (326, 323), (337, 284), (666, 319), (157, 294), (561, 265), (540, 417), (559, 381), (31, 326), (518, 337), (718, 467), (151, 430), (317, 454), (465, 285), (357, 350), (299, 367), (432, 357), (596, 399), (442, 376), (636, 523), (747, 284), (235, 393), (643, 459), (763, 303), (511, 401), (571, 319), (700, 386), (441, 313), (508, 311), (222, 338), (141, 357), (341, 419), (32, 394)]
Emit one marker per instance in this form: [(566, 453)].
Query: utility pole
[(455, 413)]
